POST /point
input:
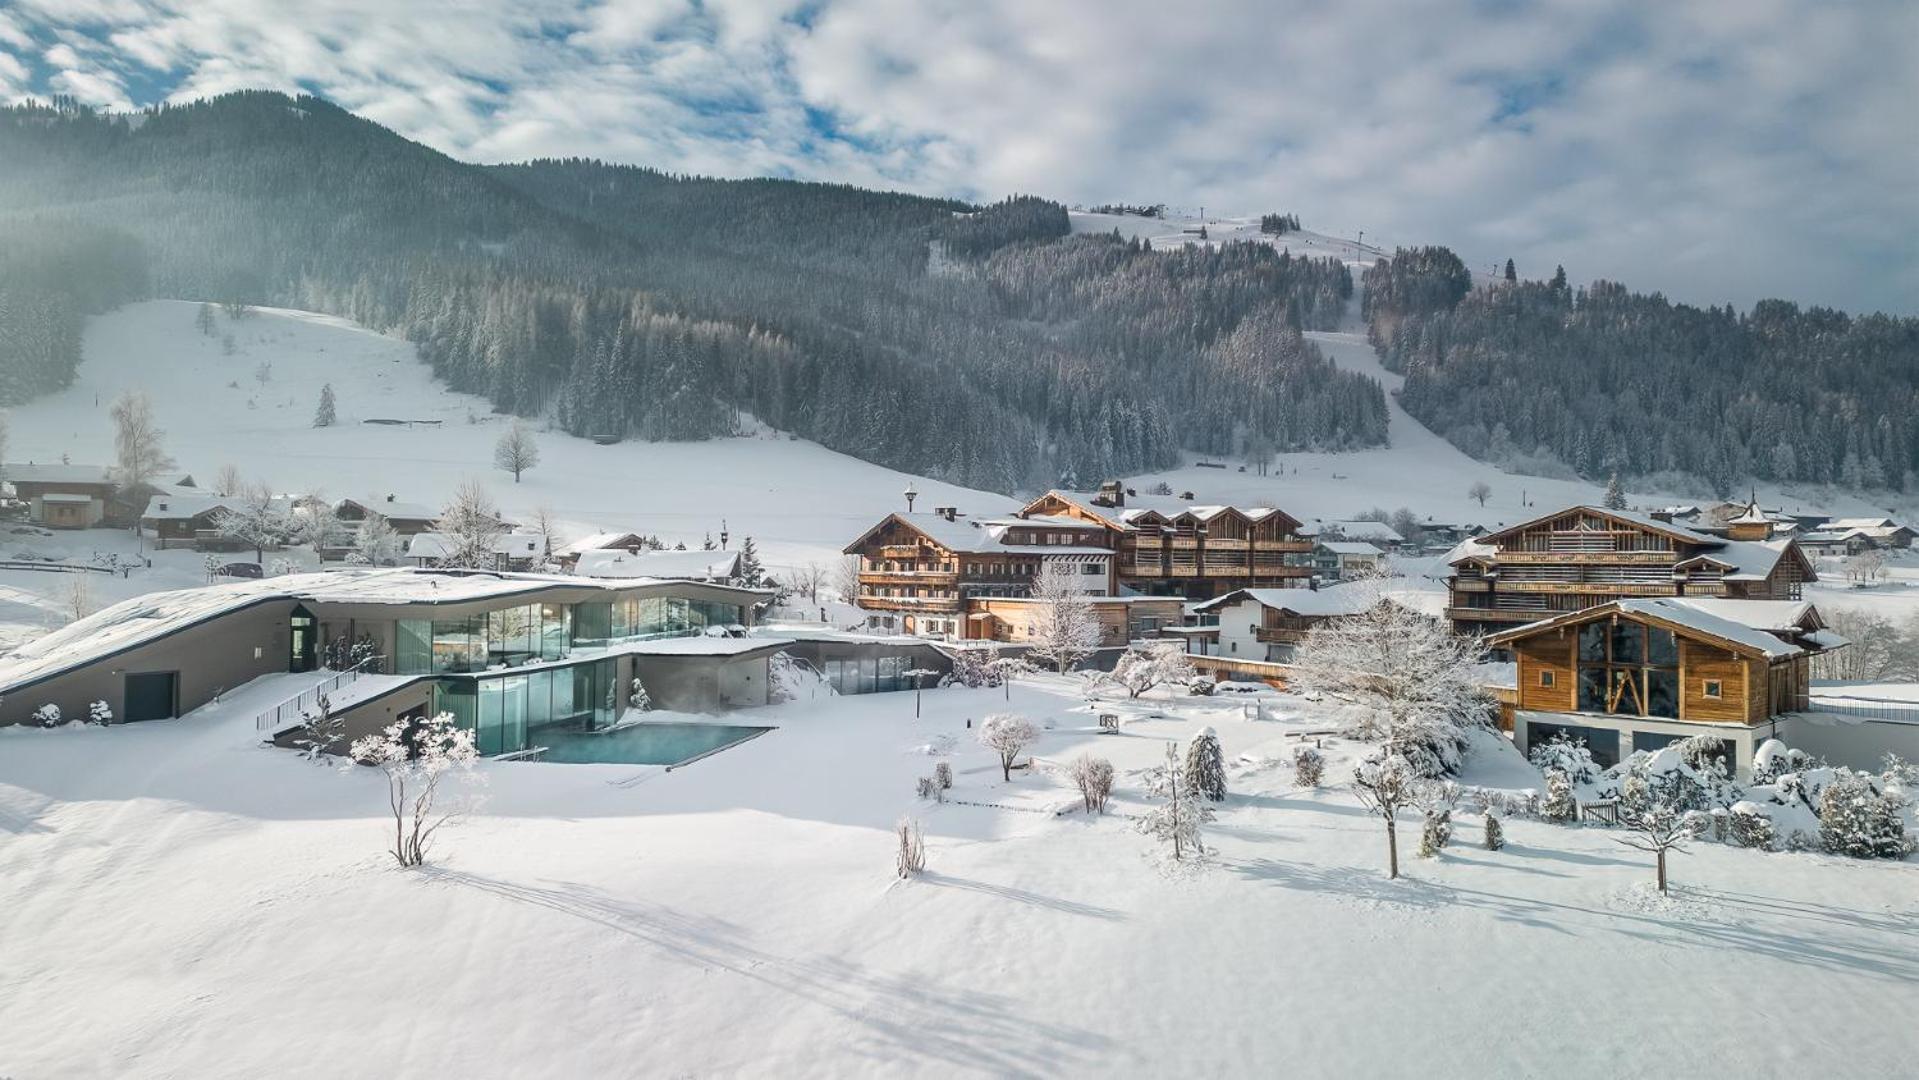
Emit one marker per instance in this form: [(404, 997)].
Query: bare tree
[(1061, 626), (1094, 778), (228, 480), (1660, 828), (79, 595), (471, 524), (416, 757), (257, 520), (549, 529), (1865, 566), (1480, 491), (1145, 666), (807, 581), (1385, 785), (1006, 734), (516, 451), (136, 439), (846, 578), (1416, 684)]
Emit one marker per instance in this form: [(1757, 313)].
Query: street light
[(910, 496)]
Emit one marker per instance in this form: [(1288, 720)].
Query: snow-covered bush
[(100, 714), (343, 653), (1309, 765), (1568, 755), (637, 697), (319, 729), (910, 855), (1774, 759), (1181, 811), (1094, 778), (1201, 686), (1495, 833), (1668, 776), (1143, 667), (1385, 783), (1006, 734), (1436, 803), (416, 757), (928, 787), (1206, 765), (1748, 826), (47, 716), (943, 773), (1858, 817), (1560, 804), (974, 668)]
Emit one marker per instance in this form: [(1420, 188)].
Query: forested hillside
[(1607, 380), (980, 345)]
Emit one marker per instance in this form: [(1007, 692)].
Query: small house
[(568, 555), (1344, 560), (407, 519), (62, 496), (1637, 674), (516, 551)]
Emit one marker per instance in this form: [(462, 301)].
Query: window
[(1546, 679), (1713, 688), (1628, 668)]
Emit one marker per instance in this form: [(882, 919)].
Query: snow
[(694, 564), (799, 501), (227, 910)]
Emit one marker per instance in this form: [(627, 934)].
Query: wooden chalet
[(1586, 555), (60, 495), (407, 519), (1637, 674), (1169, 546)]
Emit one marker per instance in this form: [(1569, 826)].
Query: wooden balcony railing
[(908, 577)]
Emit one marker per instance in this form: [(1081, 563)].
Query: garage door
[(151, 695)]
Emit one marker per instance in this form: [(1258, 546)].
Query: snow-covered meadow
[(175, 900)]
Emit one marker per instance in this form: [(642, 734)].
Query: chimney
[(389, 496), (950, 513)]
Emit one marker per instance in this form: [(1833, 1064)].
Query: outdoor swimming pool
[(642, 744)]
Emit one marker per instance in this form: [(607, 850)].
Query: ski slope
[(799, 501)]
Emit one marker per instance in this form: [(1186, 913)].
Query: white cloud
[(1712, 151)]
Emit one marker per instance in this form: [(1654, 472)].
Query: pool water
[(642, 744)]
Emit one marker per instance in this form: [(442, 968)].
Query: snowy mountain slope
[(1178, 228), (798, 500)]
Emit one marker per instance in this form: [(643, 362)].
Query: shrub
[(1495, 833), (1559, 804), (1309, 765), (47, 716), (943, 773), (1749, 827), (910, 857), (100, 713), (1857, 819), (1094, 777)]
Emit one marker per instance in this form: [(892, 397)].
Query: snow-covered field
[(175, 901), (798, 500)]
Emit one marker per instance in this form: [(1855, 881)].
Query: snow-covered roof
[(600, 541), (1631, 517), (1722, 624), (1363, 530), (66, 497), (514, 545), (1044, 521), (1749, 560), (981, 536), (1349, 547), (687, 565), (145, 618), (1773, 616), (392, 508), (56, 473), (1866, 523), (1345, 598)]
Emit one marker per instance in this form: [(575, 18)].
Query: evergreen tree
[(1615, 496), (1205, 767), (1512, 272), (203, 320), (324, 416), (752, 573)]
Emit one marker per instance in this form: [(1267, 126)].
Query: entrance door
[(302, 642), (151, 695)]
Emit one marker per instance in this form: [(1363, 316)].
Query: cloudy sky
[(1714, 151)]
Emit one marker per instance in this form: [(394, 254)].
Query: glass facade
[(1625, 667), (509, 711), (635, 618), (869, 675)]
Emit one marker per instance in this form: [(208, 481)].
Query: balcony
[(1227, 543), (908, 577), (940, 605), (1295, 546), (1142, 570), (1588, 588), (1184, 543), (1587, 558), (1494, 615), (1471, 585), (907, 552)]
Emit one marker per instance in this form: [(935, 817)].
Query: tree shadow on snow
[(1051, 903), (906, 1016)]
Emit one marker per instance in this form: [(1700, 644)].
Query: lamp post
[(910, 496), (918, 676)]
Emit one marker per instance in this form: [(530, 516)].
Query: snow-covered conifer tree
[(100, 714), (47, 715), (1205, 766), (1495, 833), (1182, 810), (324, 415), (1615, 495)]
